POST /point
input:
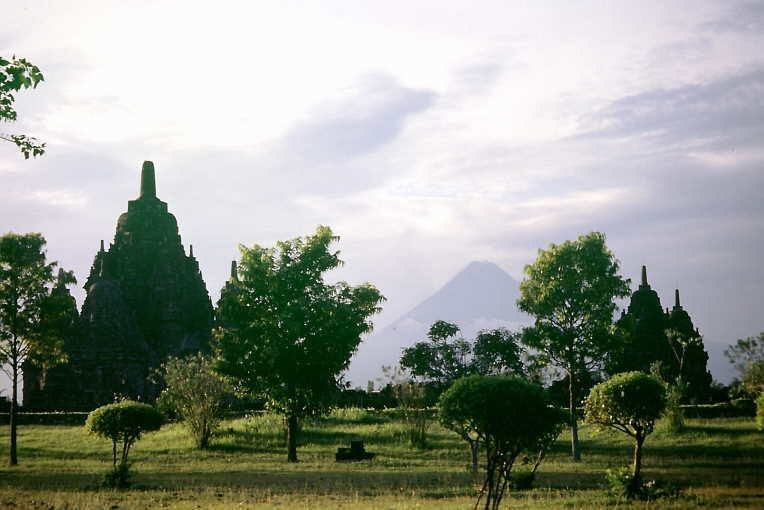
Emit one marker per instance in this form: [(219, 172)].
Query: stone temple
[(146, 300)]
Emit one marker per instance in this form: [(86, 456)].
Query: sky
[(426, 134)]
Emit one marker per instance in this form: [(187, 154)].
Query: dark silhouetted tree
[(571, 290), (287, 334)]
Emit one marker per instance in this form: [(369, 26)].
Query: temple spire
[(234, 272), (191, 250), (102, 250), (644, 276), (676, 299), (148, 181)]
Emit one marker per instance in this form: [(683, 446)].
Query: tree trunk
[(474, 456), (13, 461), (291, 439), (574, 451), (637, 472)]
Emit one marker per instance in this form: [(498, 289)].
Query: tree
[(24, 300), (195, 393), (123, 423), (570, 290), (508, 416), (286, 334), (17, 74), (747, 355), (446, 356), (630, 403), (441, 359)]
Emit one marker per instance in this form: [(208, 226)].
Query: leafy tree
[(630, 403), (17, 74), (508, 416), (570, 290), (195, 393), (26, 313), (123, 423), (287, 334), (498, 351), (747, 355), (446, 356)]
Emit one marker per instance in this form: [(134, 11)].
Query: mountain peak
[(481, 289)]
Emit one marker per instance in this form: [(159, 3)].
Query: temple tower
[(146, 300)]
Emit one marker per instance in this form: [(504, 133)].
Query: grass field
[(719, 463)]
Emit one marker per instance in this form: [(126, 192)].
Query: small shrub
[(743, 406), (622, 485), (760, 412), (119, 477), (195, 394), (124, 423), (620, 482), (522, 480), (673, 415)]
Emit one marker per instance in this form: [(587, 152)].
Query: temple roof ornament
[(148, 181)]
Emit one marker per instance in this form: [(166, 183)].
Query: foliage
[(747, 355), (673, 414), (570, 290), (446, 356), (621, 485), (123, 423), (120, 477), (195, 393), (508, 416), (26, 312), (287, 334), (631, 403), (17, 74), (760, 411), (442, 358)]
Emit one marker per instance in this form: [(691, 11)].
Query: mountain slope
[(480, 296)]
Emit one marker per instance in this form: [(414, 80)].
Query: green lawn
[(720, 463)]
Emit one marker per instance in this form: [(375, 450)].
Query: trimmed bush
[(124, 423), (631, 403), (510, 417)]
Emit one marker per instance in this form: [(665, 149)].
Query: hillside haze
[(480, 296)]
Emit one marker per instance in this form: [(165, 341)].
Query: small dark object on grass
[(356, 452)]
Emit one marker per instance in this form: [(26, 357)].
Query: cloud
[(739, 17), (728, 110), (360, 123)]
